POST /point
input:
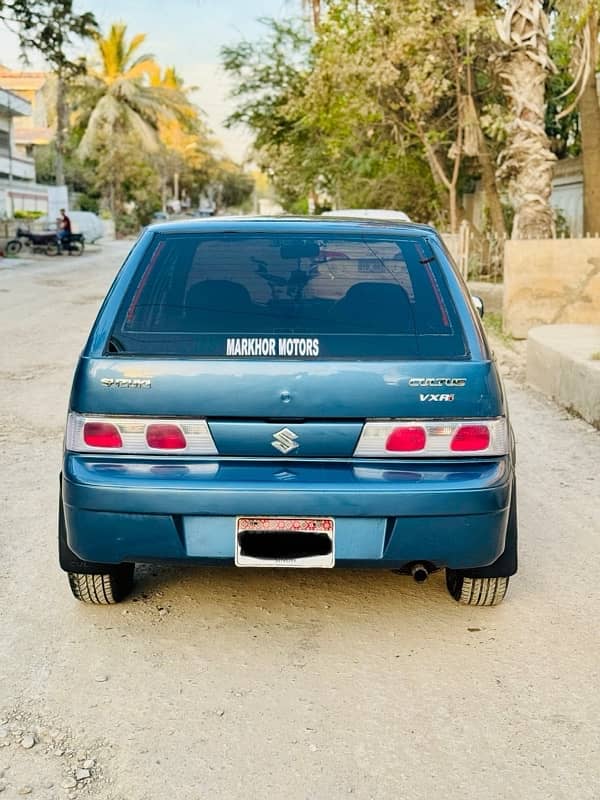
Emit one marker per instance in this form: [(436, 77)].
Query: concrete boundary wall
[(549, 282), (560, 364)]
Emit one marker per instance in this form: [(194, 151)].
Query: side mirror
[(478, 303)]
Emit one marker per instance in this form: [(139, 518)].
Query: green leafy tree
[(235, 186), (378, 93), (270, 77), (47, 26)]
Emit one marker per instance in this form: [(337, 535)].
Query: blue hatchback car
[(288, 392)]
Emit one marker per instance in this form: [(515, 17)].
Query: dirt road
[(268, 684)]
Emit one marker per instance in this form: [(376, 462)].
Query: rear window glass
[(261, 296)]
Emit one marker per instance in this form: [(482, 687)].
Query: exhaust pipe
[(419, 572)]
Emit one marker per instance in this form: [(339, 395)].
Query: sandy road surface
[(267, 684)]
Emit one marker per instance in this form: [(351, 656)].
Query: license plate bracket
[(293, 542)]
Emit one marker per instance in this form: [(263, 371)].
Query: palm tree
[(117, 102), (583, 23), (528, 160), (114, 95), (185, 139)]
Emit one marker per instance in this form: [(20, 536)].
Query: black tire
[(103, 589), (76, 248), (52, 249), (476, 591), (13, 247), (487, 586)]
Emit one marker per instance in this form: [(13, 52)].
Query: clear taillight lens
[(434, 438), (131, 435)]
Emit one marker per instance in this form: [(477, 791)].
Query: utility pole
[(61, 118), (11, 202)]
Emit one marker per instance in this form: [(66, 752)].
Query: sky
[(188, 35)]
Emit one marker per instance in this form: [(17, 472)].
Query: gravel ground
[(236, 684)]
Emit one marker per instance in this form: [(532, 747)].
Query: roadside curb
[(560, 365)]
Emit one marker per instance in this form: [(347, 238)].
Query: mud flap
[(68, 561), (507, 563)]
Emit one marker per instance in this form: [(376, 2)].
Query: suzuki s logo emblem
[(285, 441)]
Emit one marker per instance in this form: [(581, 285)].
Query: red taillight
[(101, 434), (471, 437), (406, 440), (163, 436)]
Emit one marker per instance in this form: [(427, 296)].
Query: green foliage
[(358, 114), (128, 179), (89, 202), (564, 134), (80, 176), (28, 214), (47, 26), (270, 77), (236, 187)]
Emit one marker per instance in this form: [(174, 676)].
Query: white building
[(18, 187)]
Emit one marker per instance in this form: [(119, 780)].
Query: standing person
[(64, 234)]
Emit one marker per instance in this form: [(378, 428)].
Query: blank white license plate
[(285, 542)]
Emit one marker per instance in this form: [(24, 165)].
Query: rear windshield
[(309, 297)]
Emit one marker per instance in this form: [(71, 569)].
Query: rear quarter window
[(240, 295)]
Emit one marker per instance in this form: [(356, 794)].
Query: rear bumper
[(387, 514)]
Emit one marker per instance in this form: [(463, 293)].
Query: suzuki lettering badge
[(285, 441)]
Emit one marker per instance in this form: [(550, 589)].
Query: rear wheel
[(476, 591), (76, 247), (103, 589), (13, 247)]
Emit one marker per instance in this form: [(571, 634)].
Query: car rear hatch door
[(314, 409), (287, 344)]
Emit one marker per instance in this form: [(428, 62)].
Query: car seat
[(374, 307), (217, 306)]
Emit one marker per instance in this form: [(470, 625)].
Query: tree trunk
[(589, 115), (315, 11), (528, 160), (61, 124), (490, 189), (441, 179), (532, 184)]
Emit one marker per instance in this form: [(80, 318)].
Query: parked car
[(369, 213), (292, 392), (84, 222)]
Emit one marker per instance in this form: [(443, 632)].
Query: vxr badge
[(285, 441), (436, 398)]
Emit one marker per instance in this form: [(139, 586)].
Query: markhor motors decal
[(281, 348), (437, 382)]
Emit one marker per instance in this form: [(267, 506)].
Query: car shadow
[(225, 590)]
